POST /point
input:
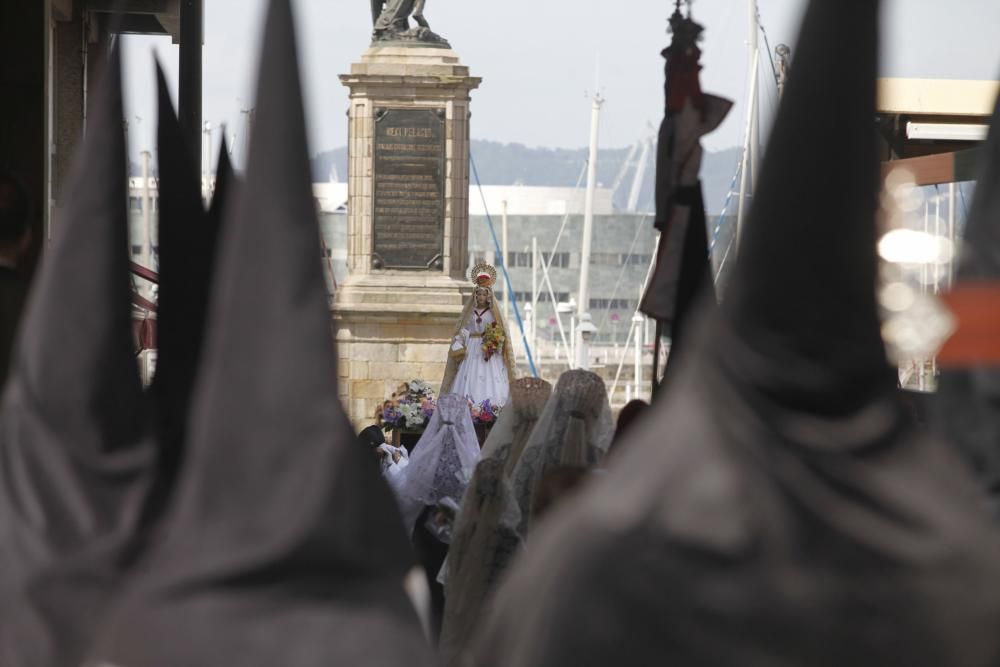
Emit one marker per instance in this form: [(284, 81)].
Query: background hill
[(516, 164)]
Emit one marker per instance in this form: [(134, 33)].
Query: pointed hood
[(71, 417), (225, 182), (802, 301), (967, 403), (777, 493), (284, 545), (187, 240)]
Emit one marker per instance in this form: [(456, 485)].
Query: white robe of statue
[(478, 379)]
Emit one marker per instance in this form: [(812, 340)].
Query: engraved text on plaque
[(408, 196)]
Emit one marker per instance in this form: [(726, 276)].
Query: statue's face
[(482, 298)]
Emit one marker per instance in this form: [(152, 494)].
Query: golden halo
[(483, 275)]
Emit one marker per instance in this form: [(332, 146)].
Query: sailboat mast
[(583, 300), (751, 141), (754, 48)]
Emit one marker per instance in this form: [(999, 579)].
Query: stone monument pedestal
[(407, 254)]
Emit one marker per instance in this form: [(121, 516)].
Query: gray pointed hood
[(71, 449), (187, 248), (802, 302), (776, 508), (284, 544), (225, 182)]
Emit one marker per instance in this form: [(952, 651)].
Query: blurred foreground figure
[(283, 545), (15, 235), (85, 488), (966, 406), (776, 507), (74, 456)]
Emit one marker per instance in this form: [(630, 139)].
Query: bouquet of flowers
[(493, 340), (485, 413), (410, 408)]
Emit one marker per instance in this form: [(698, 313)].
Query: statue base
[(408, 218), (390, 330)]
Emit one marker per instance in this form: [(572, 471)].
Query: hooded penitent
[(967, 403), (283, 545), (484, 540), (780, 510), (73, 461), (187, 243)]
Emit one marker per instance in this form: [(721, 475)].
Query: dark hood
[(187, 249), (74, 459), (284, 545), (776, 508)]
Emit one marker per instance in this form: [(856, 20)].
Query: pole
[(192, 22), (751, 142), (637, 372), (924, 273), (206, 152), (534, 293), (937, 235), (583, 300), (147, 221), (572, 338), (951, 231), (754, 47), (747, 167), (503, 249)]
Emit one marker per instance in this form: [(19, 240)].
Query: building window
[(543, 297), (636, 260), (523, 260), (137, 250), (559, 261), (619, 259), (605, 258), (610, 304)]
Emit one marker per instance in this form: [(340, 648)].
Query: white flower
[(420, 388), (413, 414)]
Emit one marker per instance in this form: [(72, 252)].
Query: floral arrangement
[(410, 408), (493, 340), (485, 413)]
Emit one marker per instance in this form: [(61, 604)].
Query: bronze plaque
[(408, 193)]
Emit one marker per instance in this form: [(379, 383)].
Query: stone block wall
[(377, 353)]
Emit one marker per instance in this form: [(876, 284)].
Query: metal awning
[(920, 117), (144, 17)]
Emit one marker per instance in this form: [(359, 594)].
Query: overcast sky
[(539, 60)]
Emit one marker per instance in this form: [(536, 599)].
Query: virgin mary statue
[(480, 362)]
